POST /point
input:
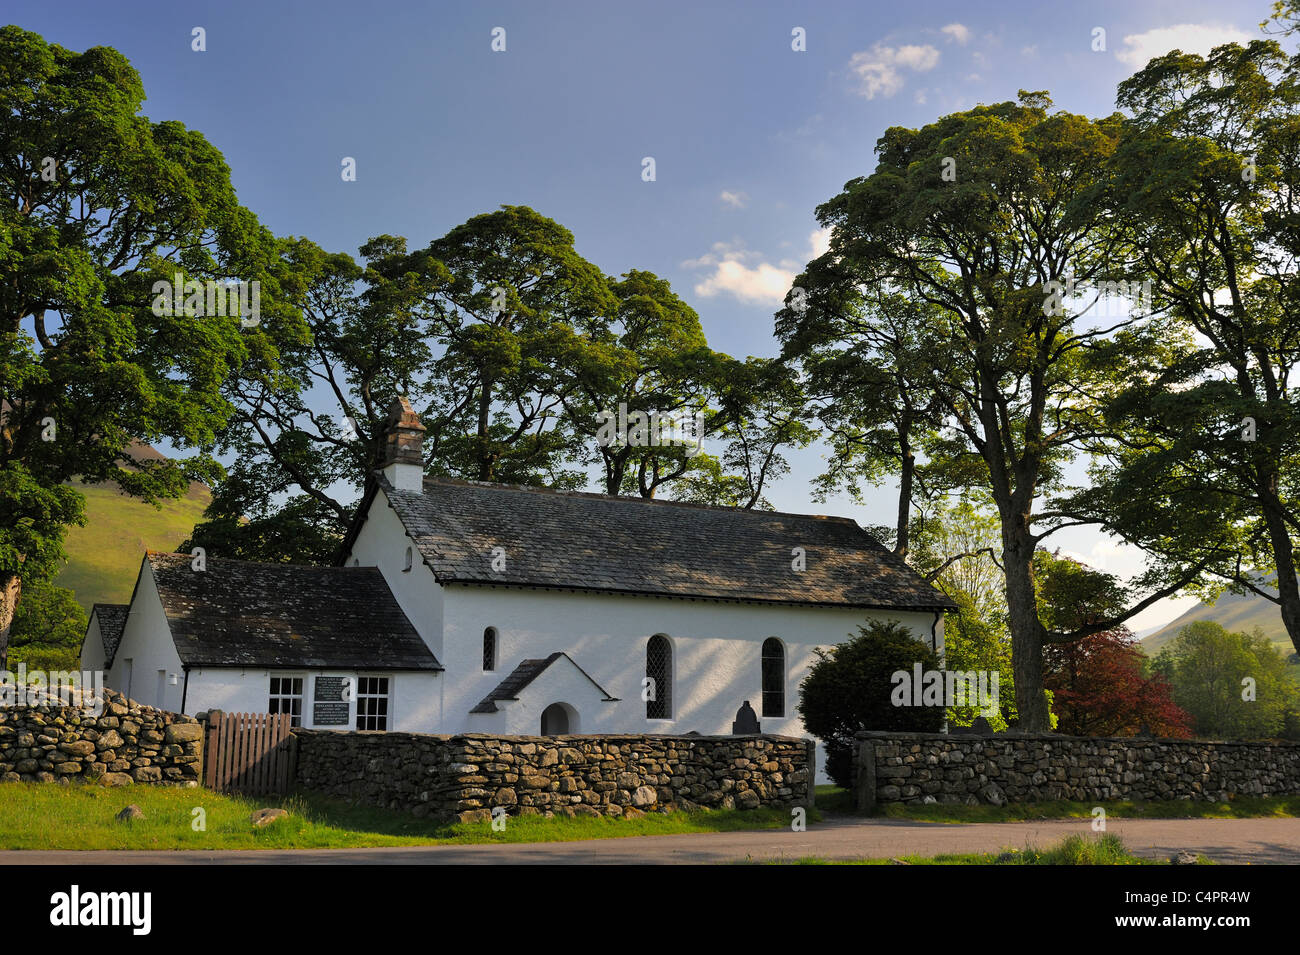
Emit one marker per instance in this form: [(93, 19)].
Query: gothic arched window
[(659, 670), (773, 677)]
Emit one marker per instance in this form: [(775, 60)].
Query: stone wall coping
[(1059, 737), (580, 738)]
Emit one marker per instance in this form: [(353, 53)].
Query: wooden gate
[(249, 753)]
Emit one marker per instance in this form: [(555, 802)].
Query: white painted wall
[(382, 542), (561, 682), (717, 652), (145, 649), (92, 648), (412, 696)]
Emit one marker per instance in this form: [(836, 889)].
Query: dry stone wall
[(125, 743), (999, 768), (465, 777)]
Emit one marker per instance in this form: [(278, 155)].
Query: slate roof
[(238, 613), (576, 540), (521, 676), (112, 620)]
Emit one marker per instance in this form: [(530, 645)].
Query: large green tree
[(650, 355), (868, 365), (100, 204), (510, 346), (971, 218), (1205, 179)]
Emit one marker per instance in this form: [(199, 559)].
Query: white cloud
[(744, 275), (737, 200), (764, 285), (820, 241), (958, 32), (1189, 37), (878, 69)]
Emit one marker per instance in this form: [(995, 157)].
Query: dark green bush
[(848, 689)]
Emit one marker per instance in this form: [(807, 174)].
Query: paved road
[(1224, 840)]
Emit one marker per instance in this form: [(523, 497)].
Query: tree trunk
[(484, 412), (1288, 590), (615, 468), (11, 586), (1026, 631), (907, 461)]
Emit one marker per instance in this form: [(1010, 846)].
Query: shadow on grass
[(1108, 849), (353, 817), (835, 800)]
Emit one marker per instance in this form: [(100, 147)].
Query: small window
[(658, 670), (410, 559), (773, 677), (286, 697), (372, 703), (489, 649)]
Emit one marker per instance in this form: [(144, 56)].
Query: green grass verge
[(42, 816), (832, 799), (1073, 850)]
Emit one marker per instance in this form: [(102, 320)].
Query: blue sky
[(748, 135)]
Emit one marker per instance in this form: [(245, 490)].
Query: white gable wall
[(92, 648), (382, 542), (145, 649), (561, 682)]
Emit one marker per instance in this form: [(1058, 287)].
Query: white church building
[(482, 608)]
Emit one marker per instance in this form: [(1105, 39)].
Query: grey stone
[(264, 817)]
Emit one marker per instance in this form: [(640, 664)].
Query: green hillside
[(105, 554), (1242, 613)]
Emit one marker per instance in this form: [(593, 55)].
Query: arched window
[(659, 670), (409, 561), (773, 677), (490, 648)]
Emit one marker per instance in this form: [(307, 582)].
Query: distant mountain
[(1237, 612), (104, 556)]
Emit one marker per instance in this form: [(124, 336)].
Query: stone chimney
[(403, 448)]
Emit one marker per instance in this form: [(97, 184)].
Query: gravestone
[(746, 723), (978, 727)]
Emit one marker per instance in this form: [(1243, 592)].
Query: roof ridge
[(623, 499), (258, 563)]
